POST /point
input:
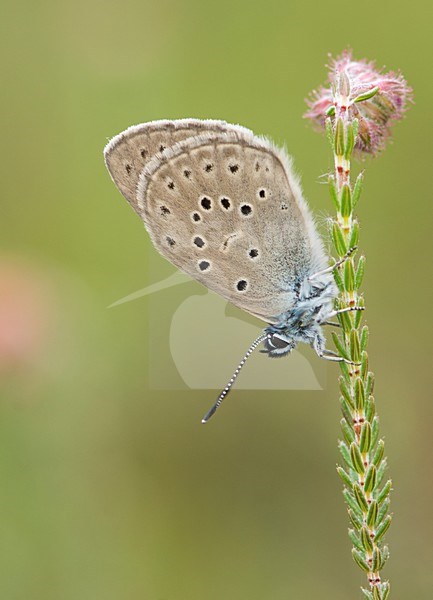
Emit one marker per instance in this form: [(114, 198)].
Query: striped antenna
[(226, 390)]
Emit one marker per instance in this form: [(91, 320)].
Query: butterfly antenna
[(226, 390)]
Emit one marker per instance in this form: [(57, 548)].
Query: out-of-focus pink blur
[(26, 306)]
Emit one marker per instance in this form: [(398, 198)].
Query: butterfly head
[(277, 343)]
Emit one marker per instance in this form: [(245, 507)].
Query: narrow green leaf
[(345, 409), (345, 390), (359, 559), (359, 394), (369, 409), (383, 511), (349, 276), (338, 239), (345, 322), (330, 111), (355, 124), (360, 272), (369, 387), (364, 364), (344, 451), (355, 350), (370, 479), (355, 519), (379, 452), (366, 540), (382, 529), (354, 234), (376, 593), (352, 504), (338, 280), (355, 540), (333, 192), (329, 132), (346, 200), (350, 141), (345, 370), (360, 498), (376, 560), (367, 594), (366, 95), (358, 314), (348, 433), (344, 477), (357, 462), (364, 338), (357, 189), (365, 438), (384, 493), (381, 471), (339, 346), (372, 514), (374, 431), (386, 588), (339, 138)]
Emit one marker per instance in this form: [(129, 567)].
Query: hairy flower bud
[(376, 99)]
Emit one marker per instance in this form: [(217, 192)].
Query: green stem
[(361, 448)]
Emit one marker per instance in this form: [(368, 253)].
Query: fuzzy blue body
[(302, 323)]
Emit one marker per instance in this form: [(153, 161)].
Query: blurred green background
[(109, 489)]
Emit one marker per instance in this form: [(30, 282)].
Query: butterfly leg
[(329, 355), (335, 265), (334, 313), (322, 352), (330, 323)]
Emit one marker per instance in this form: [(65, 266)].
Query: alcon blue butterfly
[(225, 207)]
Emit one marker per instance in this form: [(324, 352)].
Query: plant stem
[(362, 450)]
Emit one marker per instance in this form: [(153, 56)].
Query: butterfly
[(224, 206)]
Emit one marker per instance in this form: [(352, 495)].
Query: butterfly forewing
[(127, 154), (224, 208)]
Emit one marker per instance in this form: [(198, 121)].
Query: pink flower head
[(358, 87)]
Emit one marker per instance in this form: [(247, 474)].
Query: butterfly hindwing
[(226, 209)]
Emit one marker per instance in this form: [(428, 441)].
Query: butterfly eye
[(277, 345), (278, 342)]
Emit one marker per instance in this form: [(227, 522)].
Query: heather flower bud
[(376, 99)]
